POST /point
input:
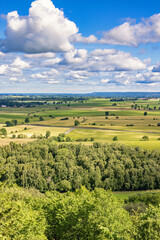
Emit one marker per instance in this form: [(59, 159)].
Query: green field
[(123, 120)]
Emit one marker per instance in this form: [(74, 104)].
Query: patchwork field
[(98, 118)]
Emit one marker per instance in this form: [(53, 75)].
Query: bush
[(115, 138), (107, 113), (26, 120), (41, 118), (9, 124), (14, 136), (22, 136), (76, 123), (145, 138)]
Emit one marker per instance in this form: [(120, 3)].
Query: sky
[(66, 46)]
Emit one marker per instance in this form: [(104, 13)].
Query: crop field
[(98, 118)]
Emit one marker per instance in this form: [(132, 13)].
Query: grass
[(128, 138), (91, 113), (125, 195)]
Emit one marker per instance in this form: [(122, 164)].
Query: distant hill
[(94, 94)]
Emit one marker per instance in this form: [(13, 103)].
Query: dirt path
[(92, 128)]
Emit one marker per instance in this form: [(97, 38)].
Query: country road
[(92, 128)]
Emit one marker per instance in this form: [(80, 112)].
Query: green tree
[(3, 132), (145, 113), (148, 224), (107, 113), (145, 138), (87, 215), (76, 123), (48, 133), (41, 118), (14, 122), (115, 138), (8, 123), (26, 120), (19, 219)]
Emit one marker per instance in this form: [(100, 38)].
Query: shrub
[(145, 138), (76, 122), (115, 138)]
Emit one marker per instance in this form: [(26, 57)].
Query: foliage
[(3, 132), (87, 215), (115, 138), (26, 120), (19, 218), (76, 122), (48, 133), (45, 165), (145, 138)]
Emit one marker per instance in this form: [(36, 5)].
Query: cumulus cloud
[(77, 75), (3, 69), (51, 62), (156, 68), (79, 38), (131, 34), (75, 56), (19, 63), (40, 55), (105, 80), (45, 29), (14, 79), (103, 60), (147, 30)]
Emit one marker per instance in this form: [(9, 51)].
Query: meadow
[(99, 118)]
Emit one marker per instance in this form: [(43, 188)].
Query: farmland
[(99, 118)]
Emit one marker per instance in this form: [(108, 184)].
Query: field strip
[(92, 128)]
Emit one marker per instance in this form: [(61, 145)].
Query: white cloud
[(14, 79), (79, 38), (75, 56), (51, 62), (45, 29), (40, 55), (19, 63), (104, 80), (156, 68), (102, 60), (130, 34), (38, 76), (3, 69)]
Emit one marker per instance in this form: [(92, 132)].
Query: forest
[(64, 191), (46, 165)]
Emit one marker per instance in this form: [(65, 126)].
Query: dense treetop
[(46, 165)]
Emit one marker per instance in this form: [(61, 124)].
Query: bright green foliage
[(148, 224), (48, 133), (145, 138), (3, 132), (87, 215), (19, 218)]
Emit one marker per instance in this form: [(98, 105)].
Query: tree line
[(63, 167)]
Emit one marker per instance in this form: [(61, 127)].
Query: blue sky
[(79, 46)]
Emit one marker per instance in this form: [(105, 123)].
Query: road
[(92, 128)]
